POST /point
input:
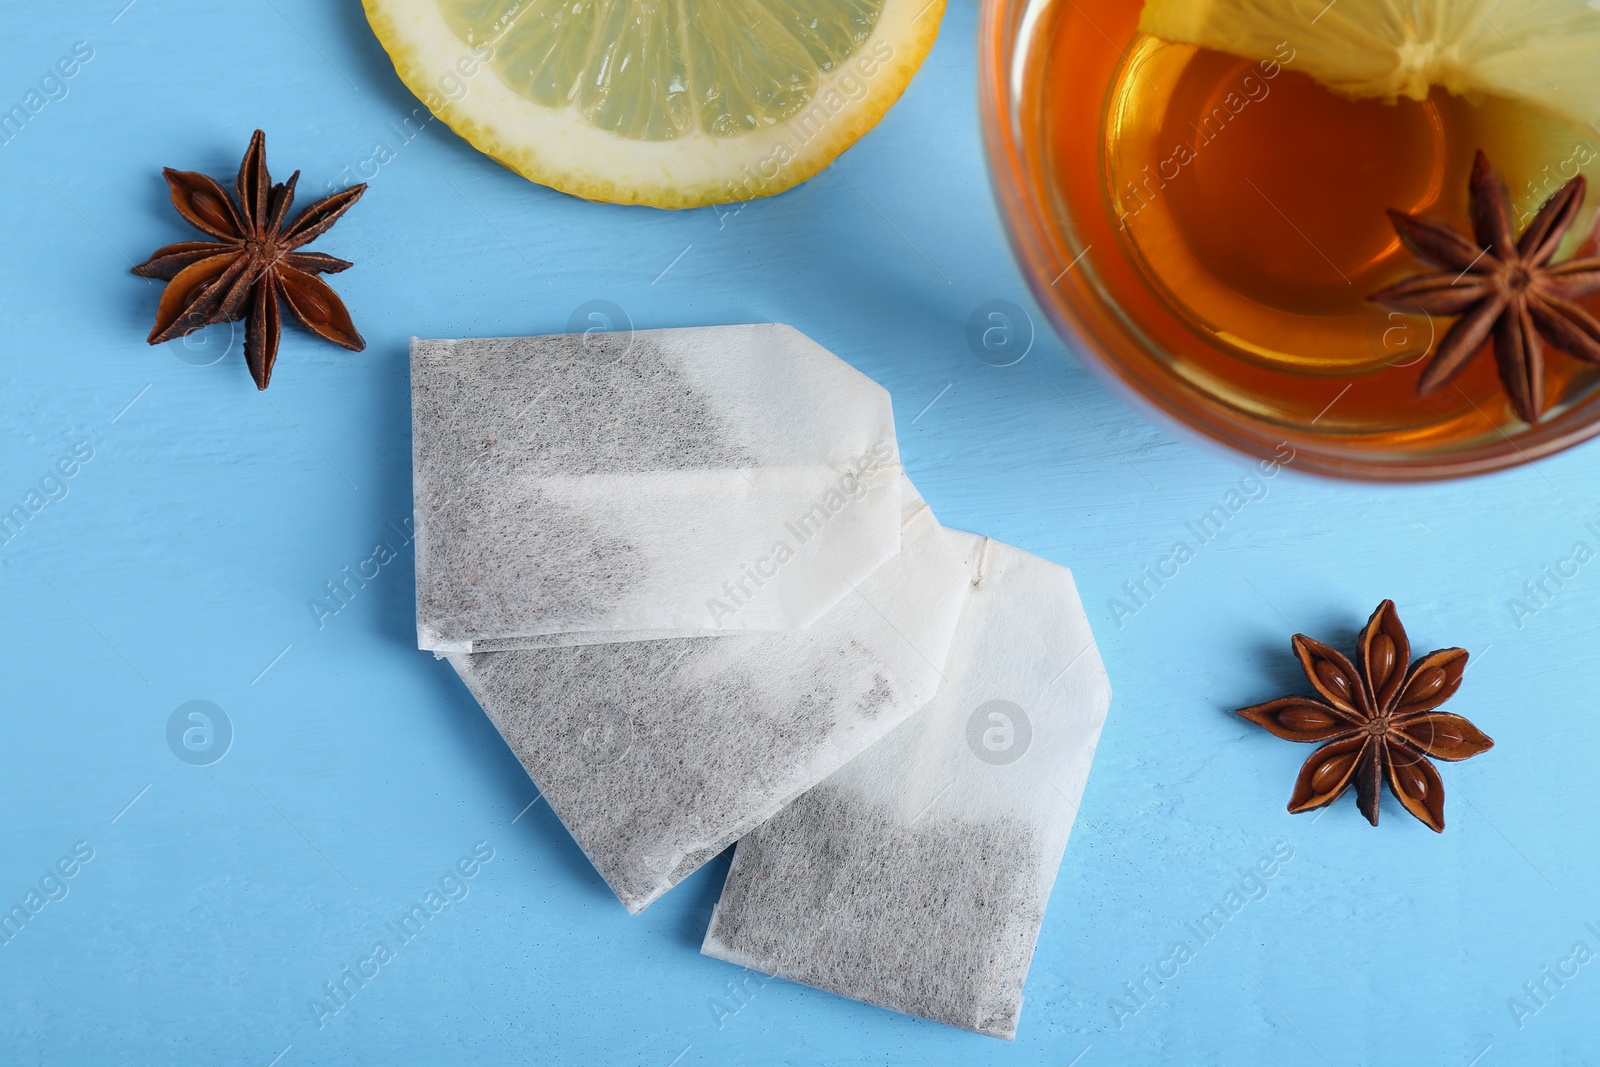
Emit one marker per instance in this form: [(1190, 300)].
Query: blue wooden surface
[(178, 562)]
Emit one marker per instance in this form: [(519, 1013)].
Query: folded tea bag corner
[(610, 486), (657, 755), (915, 877)]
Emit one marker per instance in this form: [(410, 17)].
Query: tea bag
[(916, 877), (657, 755), (616, 486)]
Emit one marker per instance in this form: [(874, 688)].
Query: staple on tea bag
[(629, 485), (916, 877), (657, 755)]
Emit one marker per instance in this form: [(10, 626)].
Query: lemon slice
[(672, 103), (1537, 51)]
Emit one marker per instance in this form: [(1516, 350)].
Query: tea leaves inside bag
[(915, 877), (604, 487), (657, 755)]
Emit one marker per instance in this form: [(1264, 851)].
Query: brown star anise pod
[(1500, 285), (1380, 724), (253, 268)]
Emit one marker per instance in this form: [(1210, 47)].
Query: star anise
[(1500, 285), (1380, 724), (253, 269)]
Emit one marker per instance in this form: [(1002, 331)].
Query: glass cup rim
[(1002, 71)]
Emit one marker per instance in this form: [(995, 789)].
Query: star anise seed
[(1379, 723), (1500, 287), (254, 268)]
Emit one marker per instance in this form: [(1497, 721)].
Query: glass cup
[(1339, 397)]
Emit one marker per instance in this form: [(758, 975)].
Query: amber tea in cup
[(1209, 228)]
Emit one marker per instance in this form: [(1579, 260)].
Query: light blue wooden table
[(208, 905)]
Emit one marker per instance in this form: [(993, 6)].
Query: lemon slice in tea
[(1538, 51), (671, 103)]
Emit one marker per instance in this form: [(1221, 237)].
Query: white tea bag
[(617, 486), (916, 877), (657, 755)]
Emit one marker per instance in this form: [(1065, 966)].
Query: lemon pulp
[(1538, 51), (665, 102)]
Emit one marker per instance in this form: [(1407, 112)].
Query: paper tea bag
[(628, 485), (915, 878), (657, 755)]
